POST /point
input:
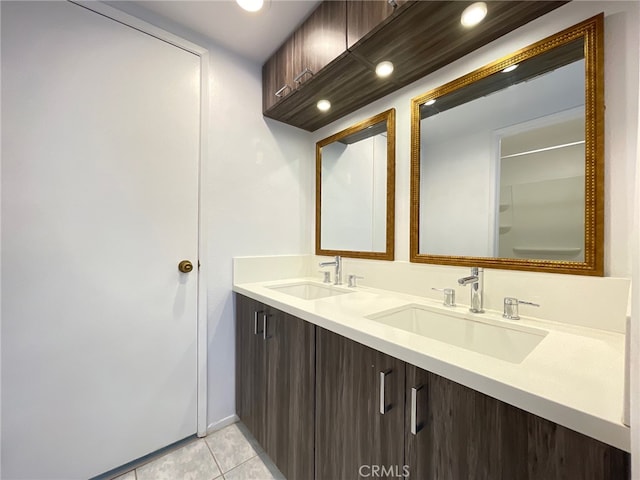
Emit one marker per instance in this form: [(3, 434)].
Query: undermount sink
[(511, 343), (309, 290)]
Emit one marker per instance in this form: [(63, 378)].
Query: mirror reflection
[(354, 190), (506, 164)]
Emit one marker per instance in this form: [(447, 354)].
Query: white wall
[(258, 181), (259, 178)]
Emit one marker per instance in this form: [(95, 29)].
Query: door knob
[(185, 266)]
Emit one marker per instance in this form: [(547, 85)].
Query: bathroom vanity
[(330, 389)]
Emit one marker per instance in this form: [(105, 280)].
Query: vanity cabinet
[(461, 433), (317, 42), (325, 407), (359, 408), (275, 375)]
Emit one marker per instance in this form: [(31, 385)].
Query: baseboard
[(220, 424)]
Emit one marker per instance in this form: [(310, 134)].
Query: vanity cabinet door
[(451, 431), (353, 438), (290, 394), (461, 433), (275, 384), (250, 366)]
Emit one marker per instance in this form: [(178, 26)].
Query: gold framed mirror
[(507, 162), (355, 190)]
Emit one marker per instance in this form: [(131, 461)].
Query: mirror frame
[(388, 116), (591, 31)]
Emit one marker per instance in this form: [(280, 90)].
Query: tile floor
[(227, 454)]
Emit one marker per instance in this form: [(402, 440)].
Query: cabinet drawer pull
[(255, 321), (265, 317), (383, 403), (298, 79), (414, 409), (280, 92)]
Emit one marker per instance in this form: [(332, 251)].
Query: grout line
[(214, 457), (242, 463)]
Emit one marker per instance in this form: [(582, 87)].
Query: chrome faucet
[(337, 262), (476, 280)]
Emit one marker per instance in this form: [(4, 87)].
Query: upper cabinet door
[(363, 16), (320, 40), (278, 74)]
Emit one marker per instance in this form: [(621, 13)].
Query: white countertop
[(574, 377)]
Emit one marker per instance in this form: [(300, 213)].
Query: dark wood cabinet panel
[(277, 75), (432, 36), (365, 16), (290, 395), (250, 367), (320, 39), (418, 37), (351, 433), (466, 434), (275, 384)]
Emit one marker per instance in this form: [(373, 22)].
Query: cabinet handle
[(383, 403), (265, 316), (255, 321), (298, 79), (414, 409), (280, 92)]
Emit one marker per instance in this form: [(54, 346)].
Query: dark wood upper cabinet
[(277, 75), (341, 42), (320, 40), (364, 16)]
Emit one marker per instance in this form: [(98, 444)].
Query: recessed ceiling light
[(323, 105), (384, 69), (251, 5), (473, 14), (510, 68), (430, 102)]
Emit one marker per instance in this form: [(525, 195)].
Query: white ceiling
[(253, 35)]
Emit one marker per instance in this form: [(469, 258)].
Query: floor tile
[(127, 476), (231, 446), (191, 462), (254, 469)]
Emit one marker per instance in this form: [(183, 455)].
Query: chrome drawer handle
[(255, 321), (306, 71), (414, 409), (280, 92), (383, 403), (265, 317)]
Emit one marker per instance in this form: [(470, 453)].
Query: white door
[(100, 148)]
